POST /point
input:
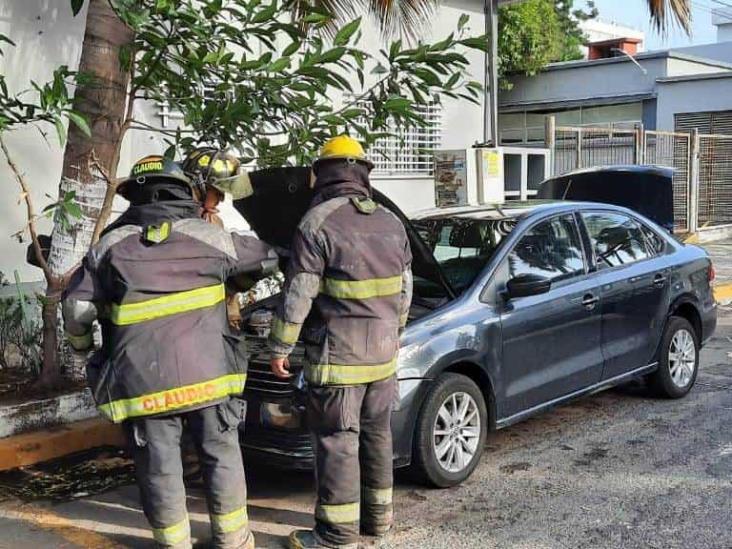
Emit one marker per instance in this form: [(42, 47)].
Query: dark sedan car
[(517, 308)]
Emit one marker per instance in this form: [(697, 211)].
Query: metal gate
[(702, 164), (715, 180), (672, 150)]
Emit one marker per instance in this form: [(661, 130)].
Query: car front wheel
[(678, 360), (451, 431)]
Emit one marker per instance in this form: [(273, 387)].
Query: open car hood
[(281, 198), (646, 189)]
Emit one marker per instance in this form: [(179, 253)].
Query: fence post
[(639, 149), (694, 166), (579, 148), (550, 139)]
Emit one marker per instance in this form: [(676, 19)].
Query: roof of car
[(506, 210)]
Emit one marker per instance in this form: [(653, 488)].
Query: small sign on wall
[(451, 178), (491, 188)]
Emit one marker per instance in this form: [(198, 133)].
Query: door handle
[(589, 301), (659, 280)]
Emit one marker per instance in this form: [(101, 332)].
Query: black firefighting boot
[(309, 539)]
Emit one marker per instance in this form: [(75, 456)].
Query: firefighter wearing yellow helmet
[(345, 148), (349, 277), (214, 173)]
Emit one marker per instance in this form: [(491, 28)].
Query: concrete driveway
[(612, 470)]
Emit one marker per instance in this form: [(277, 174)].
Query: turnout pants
[(157, 453), (351, 428)]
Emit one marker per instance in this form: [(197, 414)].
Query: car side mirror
[(526, 285)]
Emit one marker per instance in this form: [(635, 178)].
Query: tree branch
[(30, 212)]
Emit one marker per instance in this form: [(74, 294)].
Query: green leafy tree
[(570, 19), (534, 33), (245, 74)]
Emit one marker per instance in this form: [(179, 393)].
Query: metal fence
[(715, 180), (576, 148), (702, 165), (672, 150)]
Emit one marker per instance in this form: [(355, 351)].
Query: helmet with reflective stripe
[(208, 166), (153, 168), (343, 147)]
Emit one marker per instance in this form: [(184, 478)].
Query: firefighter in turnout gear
[(169, 362), (347, 295), (215, 173)]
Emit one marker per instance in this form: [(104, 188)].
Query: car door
[(551, 341), (634, 289)]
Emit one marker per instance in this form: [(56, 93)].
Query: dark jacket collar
[(152, 214), (336, 179)]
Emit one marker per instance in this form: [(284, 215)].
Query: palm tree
[(394, 17), (666, 12)]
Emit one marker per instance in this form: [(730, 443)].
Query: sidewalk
[(721, 253)]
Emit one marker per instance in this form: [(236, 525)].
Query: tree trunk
[(88, 162)]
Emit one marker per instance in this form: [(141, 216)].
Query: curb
[(31, 448), (44, 413), (723, 293)]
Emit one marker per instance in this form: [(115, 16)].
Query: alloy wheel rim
[(682, 358), (456, 432)]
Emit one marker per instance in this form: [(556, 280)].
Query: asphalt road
[(613, 470)]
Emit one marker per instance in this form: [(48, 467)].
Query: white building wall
[(683, 67), (722, 19)]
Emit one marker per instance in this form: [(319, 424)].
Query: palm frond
[(662, 12), (406, 18)]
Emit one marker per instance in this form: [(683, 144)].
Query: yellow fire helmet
[(343, 147), (218, 169)]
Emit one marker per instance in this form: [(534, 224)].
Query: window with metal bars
[(408, 150)]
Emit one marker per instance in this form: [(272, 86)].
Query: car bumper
[(291, 447)]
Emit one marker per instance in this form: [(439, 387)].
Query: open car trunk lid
[(646, 189), (281, 198)]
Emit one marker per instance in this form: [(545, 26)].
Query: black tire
[(426, 463), (666, 381)]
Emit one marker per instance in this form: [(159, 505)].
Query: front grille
[(260, 378), (289, 449)]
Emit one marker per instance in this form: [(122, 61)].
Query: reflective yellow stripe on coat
[(173, 399), (362, 289), (285, 332), (349, 374), (181, 302)]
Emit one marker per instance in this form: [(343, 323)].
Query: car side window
[(616, 239), (656, 244), (551, 249)]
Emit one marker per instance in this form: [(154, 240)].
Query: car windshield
[(461, 246)]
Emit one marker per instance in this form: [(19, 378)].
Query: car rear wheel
[(451, 431), (678, 360)]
